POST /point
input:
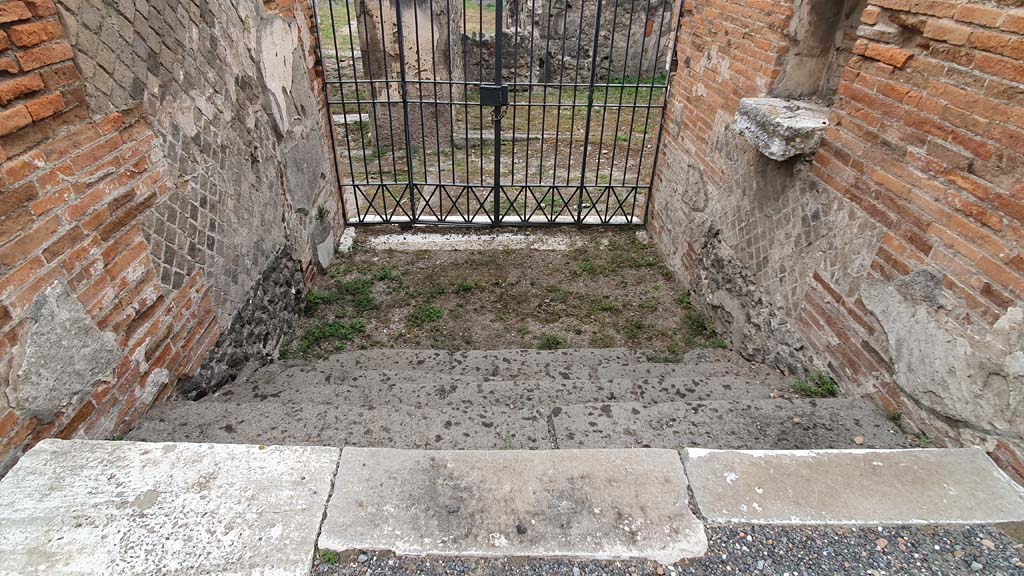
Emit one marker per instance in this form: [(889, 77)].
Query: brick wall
[(149, 174), (891, 259)]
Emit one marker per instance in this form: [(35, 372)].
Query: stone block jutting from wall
[(892, 257), (163, 167)]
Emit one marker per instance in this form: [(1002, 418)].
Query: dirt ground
[(615, 291)]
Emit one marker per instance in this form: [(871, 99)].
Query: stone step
[(729, 424), (527, 364), (384, 387)]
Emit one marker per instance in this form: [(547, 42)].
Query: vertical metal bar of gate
[(410, 185), (499, 42), (590, 111)]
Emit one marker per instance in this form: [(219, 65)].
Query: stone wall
[(633, 40), (891, 258), (156, 158)]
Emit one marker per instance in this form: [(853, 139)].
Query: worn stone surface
[(64, 354), (86, 507), (520, 399), (582, 504), (776, 424), (256, 332), (961, 375), (780, 128), (951, 486)]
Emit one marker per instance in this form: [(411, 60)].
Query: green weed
[(340, 331), (329, 557), (425, 315), (605, 304), (551, 342), (817, 385), (386, 274)]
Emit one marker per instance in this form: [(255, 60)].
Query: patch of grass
[(314, 299), (622, 137), (605, 304), (551, 342), (558, 294), (607, 268), (817, 385), (357, 294), (696, 330), (684, 301), (896, 417), (646, 262), (465, 287), (636, 329), (385, 274), (602, 341), (425, 315), (329, 557), (340, 331)]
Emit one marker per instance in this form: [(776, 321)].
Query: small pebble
[(660, 570), (362, 558), (988, 544), (520, 529), (976, 566), (859, 440), (575, 571)]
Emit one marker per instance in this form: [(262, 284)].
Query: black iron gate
[(496, 111)]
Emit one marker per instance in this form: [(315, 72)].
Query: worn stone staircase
[(520, 399)]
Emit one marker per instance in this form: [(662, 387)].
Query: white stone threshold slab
[(131, 508), (870, 487), (551, 241), (563, 503)]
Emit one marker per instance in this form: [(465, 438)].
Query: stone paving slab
[(126, 508), (570, 503), (873, 487)]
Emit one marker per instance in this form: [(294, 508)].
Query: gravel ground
[(769, 550)]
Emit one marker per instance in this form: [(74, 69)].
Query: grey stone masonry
[(227, 88)]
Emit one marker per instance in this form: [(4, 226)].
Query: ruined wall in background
[(157, 157), (892, 258)]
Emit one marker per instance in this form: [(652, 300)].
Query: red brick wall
[(73, 191), (927, 137), (926, 141)]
